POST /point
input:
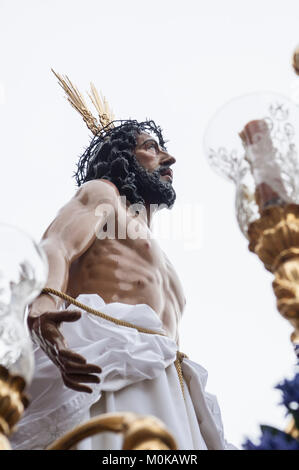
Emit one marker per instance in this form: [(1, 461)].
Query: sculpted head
[(133, 156)]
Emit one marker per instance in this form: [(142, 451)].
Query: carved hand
[(74, 370)]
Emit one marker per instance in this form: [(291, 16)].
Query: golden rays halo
[(76, 99)]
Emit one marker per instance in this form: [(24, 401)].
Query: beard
[(150, 188)]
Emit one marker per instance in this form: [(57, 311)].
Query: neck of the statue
[(147, 214)]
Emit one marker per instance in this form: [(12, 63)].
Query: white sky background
[(177, 63)]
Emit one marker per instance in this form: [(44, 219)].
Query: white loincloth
[(138, 375)]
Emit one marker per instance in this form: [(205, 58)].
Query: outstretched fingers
[(74, 375), (74, 371), (70, 356), (75, 385), (78, 378), (64, 315), (73, 367), (78, 367)]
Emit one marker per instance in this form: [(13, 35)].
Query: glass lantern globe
[(23, 274), (253, 141)]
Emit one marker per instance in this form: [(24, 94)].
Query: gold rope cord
[(48, 290), (71, 300), (179, 358)]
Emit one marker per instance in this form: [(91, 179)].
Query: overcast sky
[(177, 63)]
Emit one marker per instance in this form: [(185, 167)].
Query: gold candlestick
[(13, 401), (139, 432), (253, 141), (275, 239)]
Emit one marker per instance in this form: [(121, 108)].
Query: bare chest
[(126, 264)]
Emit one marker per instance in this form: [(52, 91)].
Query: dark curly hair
[(110, 156)]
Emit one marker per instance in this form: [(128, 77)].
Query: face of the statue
[(154, 176), (150, 155)]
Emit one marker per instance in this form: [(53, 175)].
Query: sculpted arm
[(69, 236)]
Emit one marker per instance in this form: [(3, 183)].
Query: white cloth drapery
[(138, 375)]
